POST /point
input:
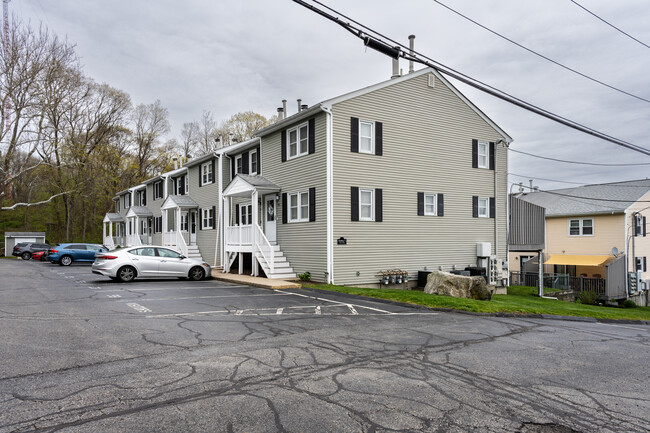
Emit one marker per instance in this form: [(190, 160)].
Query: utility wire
[(609, 24), (541, 178), (366, 33), (541, 55), (593, 198), (577, 162)]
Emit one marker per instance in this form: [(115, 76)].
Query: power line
[(595, 199), (577, 162), (541, 178), (608, 23), (541, 55), (366, 33)]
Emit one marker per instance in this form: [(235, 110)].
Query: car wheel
[(26, 256), (126, 274), (196, 273), (65, 261)]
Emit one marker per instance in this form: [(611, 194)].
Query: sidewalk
[(266, 283)]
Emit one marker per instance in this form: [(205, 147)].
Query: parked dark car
[(66, 254), (26, 249)]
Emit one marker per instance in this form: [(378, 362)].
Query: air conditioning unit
[(483, 249), (497, 271)]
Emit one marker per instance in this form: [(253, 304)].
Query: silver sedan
[(126, 264)]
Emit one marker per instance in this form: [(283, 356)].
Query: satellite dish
[(615, 251)]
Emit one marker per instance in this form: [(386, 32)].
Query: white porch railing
[(181, 244), (239, 235), (175, 239), (265, 248), (133, 240)]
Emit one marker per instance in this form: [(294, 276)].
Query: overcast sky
[(240, 55)]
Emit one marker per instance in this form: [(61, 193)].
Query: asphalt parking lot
[(84, 353)]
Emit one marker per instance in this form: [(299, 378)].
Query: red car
[(39, 255)]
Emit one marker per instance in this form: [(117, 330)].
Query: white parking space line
[(139, 308), (339, 303), (352, 310), (113, 296), (201, 297)]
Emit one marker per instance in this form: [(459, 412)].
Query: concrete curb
[(507, 315)]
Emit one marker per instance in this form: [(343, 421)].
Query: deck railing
[(560, 282), (265, 248), (239, 235)]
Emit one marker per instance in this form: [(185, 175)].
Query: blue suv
[(65, 254)]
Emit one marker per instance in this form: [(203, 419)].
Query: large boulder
[(458, 286)]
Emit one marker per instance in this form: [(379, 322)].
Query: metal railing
[(265, 248), (562, 282)]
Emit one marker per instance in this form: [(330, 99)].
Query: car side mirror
[(182, 257)]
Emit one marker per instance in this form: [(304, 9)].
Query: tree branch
[(16, 205)]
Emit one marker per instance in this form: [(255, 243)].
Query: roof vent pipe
[(299, 104), (304, 107), (280, 111), (395, 68), (411, 51), (284, 108)]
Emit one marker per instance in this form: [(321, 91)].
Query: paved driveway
[(81, 353)]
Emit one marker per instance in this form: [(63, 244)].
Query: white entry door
[(270, 217), (193, 217)]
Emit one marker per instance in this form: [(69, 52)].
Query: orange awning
[(567, 259)]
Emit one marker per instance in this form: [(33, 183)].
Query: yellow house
[(591, 226)]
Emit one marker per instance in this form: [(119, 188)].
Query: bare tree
[(207, 132), (190, 135), (150, 125), (242, 126)]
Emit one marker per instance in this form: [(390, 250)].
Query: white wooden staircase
[(281, 267), (193, 252)]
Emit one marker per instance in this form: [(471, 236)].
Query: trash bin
[(477, 270), (422, 278)]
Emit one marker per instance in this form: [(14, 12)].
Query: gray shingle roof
[(114, 217), (258, 181), (182, 201), (590, 199), (141, 211)]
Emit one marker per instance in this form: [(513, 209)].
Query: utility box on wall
[(483, 249)]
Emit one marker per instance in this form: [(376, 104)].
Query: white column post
[(254, 196), (104, 232)]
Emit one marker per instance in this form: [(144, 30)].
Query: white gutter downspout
[(220, 235), (217, 220), (330, 195)]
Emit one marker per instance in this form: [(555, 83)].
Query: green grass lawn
[(519, 300)]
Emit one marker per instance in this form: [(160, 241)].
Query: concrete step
[(288, 276)]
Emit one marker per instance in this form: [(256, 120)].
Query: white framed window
[(483, 154), (298, 141), (117, 206), (245, 214), (186, 183), (143, 227), (483, 207), (158, 190), (253, 161), (184, 219), (127, 201), (366, 137), (431, 204), (206, 173), (207, 218), (299, 207), (581, 227), (239, 164), (366, 204), (142, 197)]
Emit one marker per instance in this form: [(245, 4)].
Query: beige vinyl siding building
[(207, 196), (303, 243), (427, 147)]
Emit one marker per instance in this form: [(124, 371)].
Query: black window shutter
[(475, 206), (354, 203), (644, 264), (183, 180), (420, 203), (259, 161), (643, 226), (441, 205), (637, 225), (354, 135), (312, 204), (144, 197), (474, 153), (175, 186), (214, 217), (379, 138), (236, 214), (284, 208), (311, 142), (233, 164), (379, 209), (283, 143), (200, 175), (492, 210), (491, 155), (213, 177), (200, 219), (244, 162)]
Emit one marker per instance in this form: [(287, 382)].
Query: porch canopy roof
[(578, 260), (244, 184), (179, 201), (113, 218), (138, 211)]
